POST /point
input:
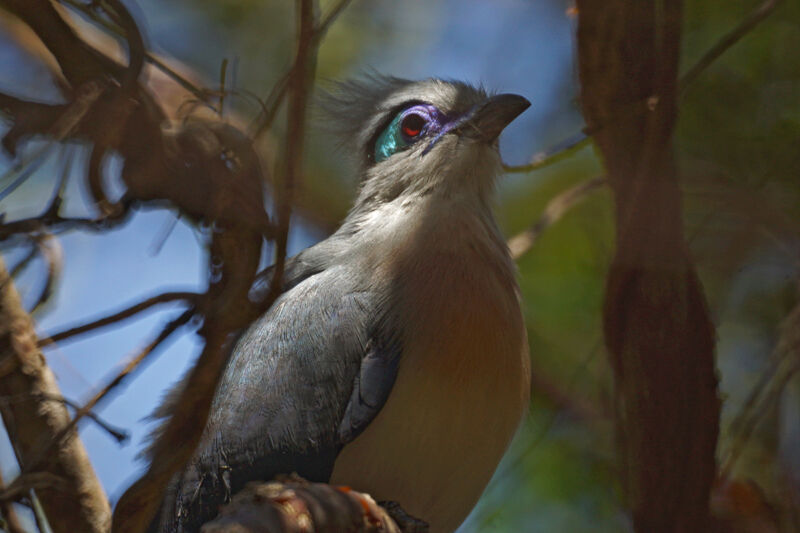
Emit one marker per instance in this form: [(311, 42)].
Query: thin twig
[(24, 262), (552, 155), (23, 169), (264, 120), (120, 435), (39, 516), (727, 41), (767, 391), (328, 19), (521, 243), (580, 140), (299, 83), (51, 252), (28, 481), (191, 298), (57, 224), (87, 408), (57, 197), (133, 36)]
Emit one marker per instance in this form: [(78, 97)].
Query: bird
[(395, 361)]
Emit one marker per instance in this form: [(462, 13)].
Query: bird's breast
[(462, 385)]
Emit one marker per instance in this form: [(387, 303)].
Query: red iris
[(412, 125)]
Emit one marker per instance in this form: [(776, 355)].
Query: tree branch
[(578, 141), (727, 41), (8, 513), (293, 504), (521, 243), (40, 453), (191, 298), (83, 506), (299, 83)]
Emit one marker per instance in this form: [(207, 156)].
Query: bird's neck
[(460, 227)]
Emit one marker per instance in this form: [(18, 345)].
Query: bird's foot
[(406, 522)]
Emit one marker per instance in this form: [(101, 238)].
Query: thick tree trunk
[(658, 332)]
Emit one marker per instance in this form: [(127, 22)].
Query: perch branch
[(293, 504)]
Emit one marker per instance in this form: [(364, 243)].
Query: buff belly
[(461, 391)]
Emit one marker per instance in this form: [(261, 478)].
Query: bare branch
[(521, 243), (51, 252), (329, 18), (24, 262), (727, 41), (24, 483), (191, 298), (578, 141), (8, 512), (57, 224), (46, 448), (200, 93), (293, 504), (784, 365), (84, 506), (553, 155), (276, 95), (299, 87), (119, 435)]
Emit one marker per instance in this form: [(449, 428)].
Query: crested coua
[(396, 360)]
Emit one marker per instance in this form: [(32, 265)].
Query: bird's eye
[(407, 127), (412, 125)]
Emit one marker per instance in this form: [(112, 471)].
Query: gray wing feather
[(303, 380)]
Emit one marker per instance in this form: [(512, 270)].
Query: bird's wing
[(306, 378)]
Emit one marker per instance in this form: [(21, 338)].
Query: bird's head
[(416, 138)]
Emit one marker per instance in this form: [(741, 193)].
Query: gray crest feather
[(348, 107)]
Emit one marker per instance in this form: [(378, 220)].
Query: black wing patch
[(371, 387)]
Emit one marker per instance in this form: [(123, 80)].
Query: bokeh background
[(738, 141)]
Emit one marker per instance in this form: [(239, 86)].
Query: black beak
[(488, 119)]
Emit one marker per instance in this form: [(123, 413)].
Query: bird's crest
[(358, 109)]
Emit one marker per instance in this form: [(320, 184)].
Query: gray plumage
[(395, 361)]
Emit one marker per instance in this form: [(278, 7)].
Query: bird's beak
[(487, 120)]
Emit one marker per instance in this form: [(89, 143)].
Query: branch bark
[(293, 504), (657, 328), (81, 504)]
